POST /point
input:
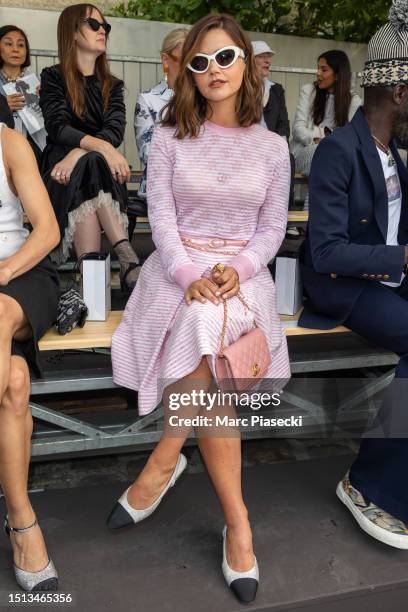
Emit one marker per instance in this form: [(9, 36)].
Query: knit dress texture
[(227, 183)]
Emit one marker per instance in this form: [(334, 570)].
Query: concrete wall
[(134, 45)]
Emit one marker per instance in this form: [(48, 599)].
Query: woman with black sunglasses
[(85, 118)]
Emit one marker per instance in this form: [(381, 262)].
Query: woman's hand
[(15, 101), (63, 169), (228, 281), (117, 163), (5, 274), (202, 290)]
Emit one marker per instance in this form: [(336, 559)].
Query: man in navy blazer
[(345, 252), (355, 255)]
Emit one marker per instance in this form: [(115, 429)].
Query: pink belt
[(210, 243)]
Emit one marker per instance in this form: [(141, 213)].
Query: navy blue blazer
[(346, 246)]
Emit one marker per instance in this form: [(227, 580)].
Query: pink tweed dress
[(229, 183)]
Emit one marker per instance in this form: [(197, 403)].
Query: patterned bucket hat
[(387, 57)]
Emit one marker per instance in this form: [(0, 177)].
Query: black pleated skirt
[(37, 292)]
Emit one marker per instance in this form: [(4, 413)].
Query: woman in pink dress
[(217, 189)]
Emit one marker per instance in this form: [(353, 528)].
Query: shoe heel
[(44, 580)]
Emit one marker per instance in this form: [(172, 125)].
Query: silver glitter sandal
[(44, 580)]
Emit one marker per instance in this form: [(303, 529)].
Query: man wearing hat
[(355, 260), (275, 115)]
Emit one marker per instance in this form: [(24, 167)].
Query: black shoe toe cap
[(244, 589), (119, 517), (51, 584)]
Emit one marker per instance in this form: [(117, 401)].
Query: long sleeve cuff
[(70, 136), (185, 275), (243, 266)]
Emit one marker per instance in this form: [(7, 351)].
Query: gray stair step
[(312, 555)]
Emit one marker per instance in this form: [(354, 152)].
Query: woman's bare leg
[(161, 463), (15, 439), (222, 458), (12, 321)]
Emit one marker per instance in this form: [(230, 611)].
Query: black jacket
[(275, 112), (65, 129)]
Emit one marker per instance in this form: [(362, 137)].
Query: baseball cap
[(260, 46)]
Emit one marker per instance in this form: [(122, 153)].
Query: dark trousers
[(380, 471)]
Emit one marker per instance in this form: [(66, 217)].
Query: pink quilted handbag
[(242, 364)]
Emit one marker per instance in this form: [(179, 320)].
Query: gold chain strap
[(224, 324)]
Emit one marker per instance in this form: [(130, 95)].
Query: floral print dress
[(149, 106)]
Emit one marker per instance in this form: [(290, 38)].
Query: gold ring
[(219, 267)]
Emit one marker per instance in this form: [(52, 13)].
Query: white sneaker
[(373, 520)]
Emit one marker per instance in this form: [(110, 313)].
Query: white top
[(394, 204), (12, 232), (304, 129)]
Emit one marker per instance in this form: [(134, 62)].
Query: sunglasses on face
[(224, 58), (94, 24)]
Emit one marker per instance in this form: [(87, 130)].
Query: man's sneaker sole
[(387, 537)]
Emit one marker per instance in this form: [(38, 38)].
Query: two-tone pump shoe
[(123, 514), (244, 585), (44, 580)]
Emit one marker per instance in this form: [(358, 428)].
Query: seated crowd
[(218, 168)]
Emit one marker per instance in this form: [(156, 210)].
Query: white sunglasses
[(224, 58)]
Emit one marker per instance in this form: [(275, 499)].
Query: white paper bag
[(96, 285), (288, 285)]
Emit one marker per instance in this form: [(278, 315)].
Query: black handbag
[(72, 310)]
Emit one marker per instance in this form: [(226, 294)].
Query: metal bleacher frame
[(72, 435)]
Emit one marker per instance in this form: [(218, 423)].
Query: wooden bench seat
[(98, 334), (294, 216)]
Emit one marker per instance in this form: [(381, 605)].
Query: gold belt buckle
[(217, 242)]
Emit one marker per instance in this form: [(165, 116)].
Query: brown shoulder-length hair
[(340, 64), (69, 22), (4, 30), (188, 109)]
